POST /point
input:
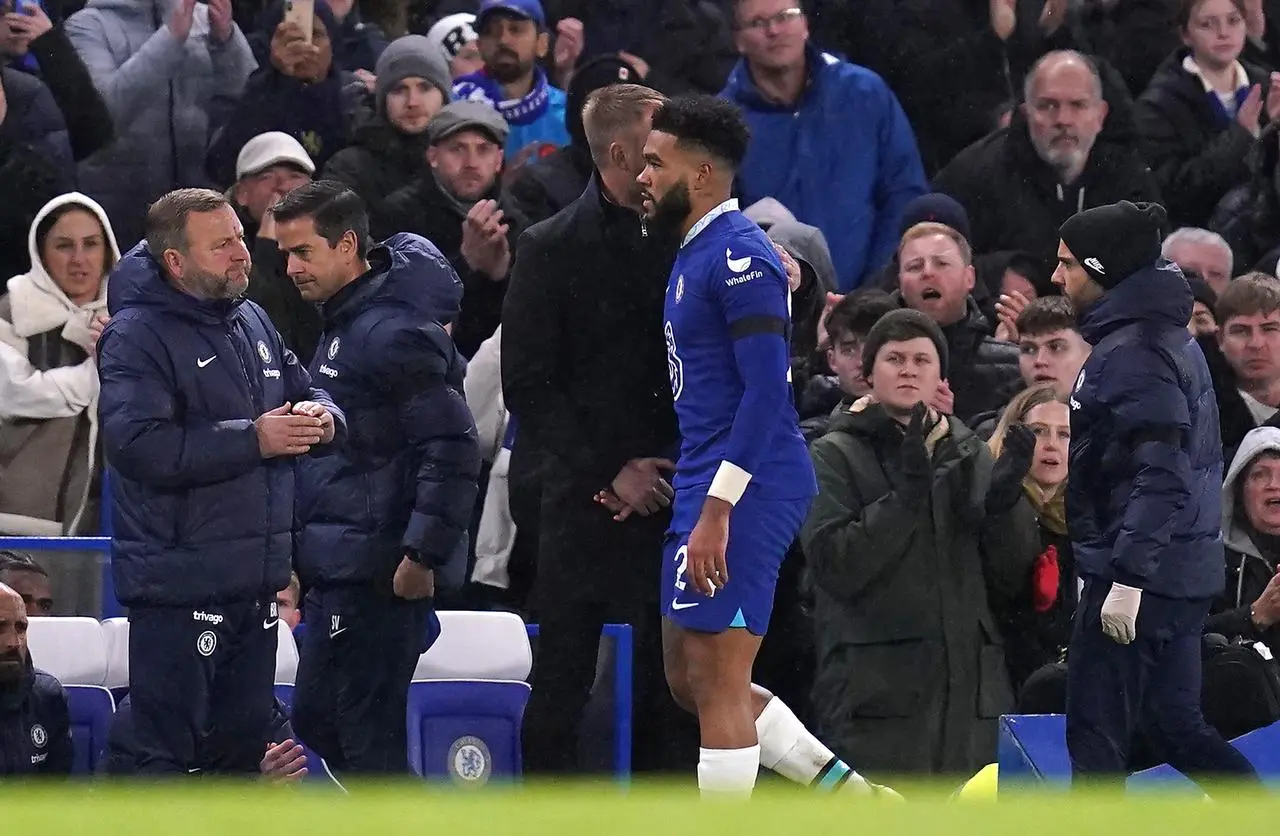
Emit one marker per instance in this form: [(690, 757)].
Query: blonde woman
[(1037, 627)]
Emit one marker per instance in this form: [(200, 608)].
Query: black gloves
[(917, 469), (1010, 469)]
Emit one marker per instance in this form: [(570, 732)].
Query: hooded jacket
[(1248, 570), (808, 246), (199, 516), (164, 95), (48, 395), (847, 128), (1144, 500), (35, 726), (406, 479)]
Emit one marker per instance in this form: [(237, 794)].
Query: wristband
[(730, 483)]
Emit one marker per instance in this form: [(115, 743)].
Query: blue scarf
[(479, 87)]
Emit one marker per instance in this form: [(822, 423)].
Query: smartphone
[(301, 12)]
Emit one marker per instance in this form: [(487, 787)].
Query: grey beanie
[(410, 56)]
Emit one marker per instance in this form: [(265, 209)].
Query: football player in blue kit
[(744, 480)]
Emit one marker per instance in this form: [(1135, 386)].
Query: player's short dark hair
[(713, 124), (14, 561), (856, 314), (166, 224), (1046, 314), (332, 206)]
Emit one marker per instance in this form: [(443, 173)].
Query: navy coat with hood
[(199, 516), (405, 481), (1144, 503)]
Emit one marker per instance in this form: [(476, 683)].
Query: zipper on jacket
[(644, 228)]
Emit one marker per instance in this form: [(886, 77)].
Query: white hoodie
[(38, 305), (1234, 535)]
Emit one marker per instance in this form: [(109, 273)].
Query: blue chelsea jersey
[(727, 328)]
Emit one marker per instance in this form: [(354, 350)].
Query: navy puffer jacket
[(406, 478), (199, 516), (1145, 496)]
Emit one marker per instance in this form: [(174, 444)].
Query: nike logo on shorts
[(676, 605)]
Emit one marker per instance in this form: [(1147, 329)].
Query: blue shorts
[(760, 533)]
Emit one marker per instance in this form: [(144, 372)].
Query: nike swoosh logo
[(678, 606), (337, 633), (203, 363), (267, 624)]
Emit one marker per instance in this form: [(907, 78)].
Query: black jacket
[(378, 161), (584, 371), (424, 209), (687, 43), (35, 727), (89, 124), (1196, 152), (950, 71), (539, 191), (911, 671), (1249, 216), (406, 477), (1015, 200)]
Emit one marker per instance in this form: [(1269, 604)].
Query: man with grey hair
[(1022, 182), (203, 410), (1208, 253)]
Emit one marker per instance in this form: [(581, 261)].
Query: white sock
[(790, 750), (728, 773)]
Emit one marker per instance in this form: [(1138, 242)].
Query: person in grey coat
[(164, 68)]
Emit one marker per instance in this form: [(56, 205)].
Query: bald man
[(1021, 183), (35, 729)]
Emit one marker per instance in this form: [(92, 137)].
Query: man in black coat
[(584, 372)]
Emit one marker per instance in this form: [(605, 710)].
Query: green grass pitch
[(568, 808)]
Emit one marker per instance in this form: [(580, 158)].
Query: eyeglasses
[(782, 18)]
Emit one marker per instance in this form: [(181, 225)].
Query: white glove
[(1120, 613)]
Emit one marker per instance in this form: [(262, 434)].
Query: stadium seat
[(467, 699), (75, 651), (115, 632)]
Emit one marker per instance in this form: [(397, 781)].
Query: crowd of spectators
[(913, 155)]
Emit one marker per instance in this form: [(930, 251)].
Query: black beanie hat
[(899, 326), (1113, 242)]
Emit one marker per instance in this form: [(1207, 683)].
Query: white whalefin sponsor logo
[(737, 265), (741, 266)]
